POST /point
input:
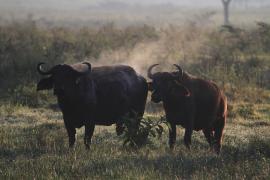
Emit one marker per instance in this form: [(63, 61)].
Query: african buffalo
[(95, 96), (194, 103)]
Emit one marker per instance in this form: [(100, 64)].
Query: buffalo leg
[(218, 135), (188, 132), (71, 135), (135, 121), (208, 133), (89, 130), (187, 137), (172, 135), (119, 128), (189, 124)]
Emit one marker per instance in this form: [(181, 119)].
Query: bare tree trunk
[(226, 4)]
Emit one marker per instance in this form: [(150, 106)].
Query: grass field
[(34, 142), (34, 146)]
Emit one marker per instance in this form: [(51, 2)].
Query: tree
[(226, 4)]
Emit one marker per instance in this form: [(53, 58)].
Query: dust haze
[(157, 51), (186, 17)]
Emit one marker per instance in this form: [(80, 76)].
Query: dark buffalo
[(191, 102), (95, 96)]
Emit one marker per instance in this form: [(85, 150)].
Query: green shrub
[(237, 59), (27, 95), (148, 127), (23, 45)]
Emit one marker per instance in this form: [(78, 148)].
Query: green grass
[(34, 145), (33, 140)]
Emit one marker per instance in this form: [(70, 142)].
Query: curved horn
[(179, 69), (88, 64), (39, 69), (149, 72), (89, 67)]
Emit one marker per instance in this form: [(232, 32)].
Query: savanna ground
[(34, 145), (33, 140)]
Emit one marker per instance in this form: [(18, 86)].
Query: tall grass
[(33, 141), (23, 45), (237, 59), (34, 145)]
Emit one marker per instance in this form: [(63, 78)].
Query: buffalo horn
[(89, 67), (39, 69), (179, 69), (149, 73), (88, 64)]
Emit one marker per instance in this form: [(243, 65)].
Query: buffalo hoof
[(87, 146), (217, 148), (170, 150), (172, 146), (71, 149), (188, 146), (87, 143), (71, 146)]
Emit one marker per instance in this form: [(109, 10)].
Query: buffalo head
[(71, 82), (166, 85)]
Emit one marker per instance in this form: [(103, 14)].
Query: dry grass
[(33, 140), (34, 145)]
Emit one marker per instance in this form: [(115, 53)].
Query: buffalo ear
[(179, 90), (150, 86), (44, 84)]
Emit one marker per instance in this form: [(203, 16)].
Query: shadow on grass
[(186, 164), (13, 119), (33, 141), (256, 124), (107, 158)]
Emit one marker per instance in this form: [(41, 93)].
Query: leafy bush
[(27, 95), (23, 45), (237, 59), (148, 127)]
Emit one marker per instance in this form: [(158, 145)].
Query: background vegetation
[(33, 141)]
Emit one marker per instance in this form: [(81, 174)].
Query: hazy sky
[(83, 3), (140, 11), (76, 3)]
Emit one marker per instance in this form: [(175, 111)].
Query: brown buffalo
[(194, 103)]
